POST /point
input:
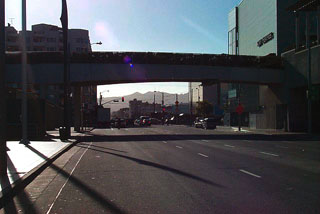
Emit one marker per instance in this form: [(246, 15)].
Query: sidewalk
[(254, 131), (24, 160)]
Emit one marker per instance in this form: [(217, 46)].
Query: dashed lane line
[(179, 147), (205, 141), (249, 173), (283, 147), (267, 153), (203, 155), (229, 146), (164, 141)]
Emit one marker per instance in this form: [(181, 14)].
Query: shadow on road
[(96, 196), (171, 137), (155, 165)]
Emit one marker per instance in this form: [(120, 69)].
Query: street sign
[(239, 109), (232, 93)]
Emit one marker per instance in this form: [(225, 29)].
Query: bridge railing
[(270, 61)]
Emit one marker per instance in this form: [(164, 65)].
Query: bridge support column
[(77, 108)]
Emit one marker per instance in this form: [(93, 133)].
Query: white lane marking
[(249, 173), (127, 129), (266, 153), (229, 146), (111, 129), (164, 141), (205, 141), (68, 179), (247, 141), (179, 147), (203, 155), (283, 147)]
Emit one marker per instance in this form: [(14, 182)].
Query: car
[(209, 123), (155, 121), (198, 122), (129, 122), (137, 122), (122, 123), (145, 121)]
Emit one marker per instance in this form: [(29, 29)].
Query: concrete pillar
[(297, 30), (218, 94), (77, 108), (309, 118)]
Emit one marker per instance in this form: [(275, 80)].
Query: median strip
[(203, 155), (266, 153), (249, 173)]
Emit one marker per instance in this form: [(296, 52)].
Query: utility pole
[(154, 102), (3, 92), (239, 115), (66, 76), (191, 107), (162, 99), (24, 103)]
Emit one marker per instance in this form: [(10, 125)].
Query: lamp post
[(24, 104), (154, 102)]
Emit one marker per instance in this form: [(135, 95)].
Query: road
[(178, 169)]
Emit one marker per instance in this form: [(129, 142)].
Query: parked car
[(155, 121), (137, 122), (145, 121), (129, 122), (122, 123), (198, 122), (209, 123)]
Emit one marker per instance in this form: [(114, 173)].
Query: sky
[(180, 26)]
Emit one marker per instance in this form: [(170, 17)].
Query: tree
[(204, 108)]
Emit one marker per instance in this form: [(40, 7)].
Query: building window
[(52, 40)]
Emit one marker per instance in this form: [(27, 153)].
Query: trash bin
[(63, 133)]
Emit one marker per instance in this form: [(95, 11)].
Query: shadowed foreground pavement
[(177, 169)]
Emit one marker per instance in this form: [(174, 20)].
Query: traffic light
[(122, 99), (163, 109)]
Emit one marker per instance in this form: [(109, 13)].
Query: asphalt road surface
[(178, 169)]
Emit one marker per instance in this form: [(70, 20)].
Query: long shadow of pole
[(102, 200), (159, 166)]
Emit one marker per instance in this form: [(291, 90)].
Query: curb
[(12, 190)]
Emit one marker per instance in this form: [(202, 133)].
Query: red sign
[(239, 109)]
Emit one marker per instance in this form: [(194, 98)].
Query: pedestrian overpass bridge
[(99, 68)]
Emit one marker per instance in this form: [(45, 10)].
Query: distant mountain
[(169, 99)]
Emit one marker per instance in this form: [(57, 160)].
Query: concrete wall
[(296, 66), (257, 18)]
